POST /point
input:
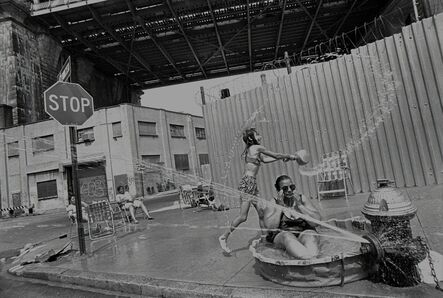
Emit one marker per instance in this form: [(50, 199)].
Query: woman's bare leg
[(145, 210), (304, 247), (244, 210), (132, 212)]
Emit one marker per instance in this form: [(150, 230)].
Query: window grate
[(204, 159), (147, 128), (47, 189), (181, 162), (177, 131), (200, 133)]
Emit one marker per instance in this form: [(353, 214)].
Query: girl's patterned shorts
[(248, 186)]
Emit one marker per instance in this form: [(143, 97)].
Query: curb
[(152, 287)]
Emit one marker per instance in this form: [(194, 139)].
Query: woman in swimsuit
[(254, 154)]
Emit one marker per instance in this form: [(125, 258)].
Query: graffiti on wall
[(93, 188)]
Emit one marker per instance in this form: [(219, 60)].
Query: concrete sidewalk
[(161, 194), (177, 255)]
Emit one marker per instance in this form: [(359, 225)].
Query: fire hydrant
[(393, 252)]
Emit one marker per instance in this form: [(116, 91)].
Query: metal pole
[(76, 192), (414, 3), (202, 93), (288, 63)]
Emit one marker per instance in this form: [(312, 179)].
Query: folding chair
[(187, 197), (100, 216), (333, 174), (118, 214)]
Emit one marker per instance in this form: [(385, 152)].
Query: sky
[(186, 97)]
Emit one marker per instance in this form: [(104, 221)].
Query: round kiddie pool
[(339, 261)]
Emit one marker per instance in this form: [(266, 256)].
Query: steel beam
[(343, 20), (314, 20), (249, 35), (117, 38), (65, 26), (238, 32), (280, 29), (151, 35), (177, 20), (220, 43)]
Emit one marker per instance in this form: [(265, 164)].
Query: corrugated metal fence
[(383, 103)]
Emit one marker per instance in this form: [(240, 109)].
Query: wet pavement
[(181, 246)]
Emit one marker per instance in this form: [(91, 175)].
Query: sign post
[(71, 105), (65, 73), (76, 191)]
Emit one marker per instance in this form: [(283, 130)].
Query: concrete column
[(24, 185), (195, 165), (130, 135), (4, 190), (165, 136), (108, 154)]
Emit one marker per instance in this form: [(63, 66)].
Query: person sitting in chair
[(72, 210), (285, 228), (129, 203)]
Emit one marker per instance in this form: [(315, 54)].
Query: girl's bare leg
[(244, 210)]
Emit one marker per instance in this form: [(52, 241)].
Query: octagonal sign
[(68, 103)]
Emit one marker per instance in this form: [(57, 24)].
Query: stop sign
[(68, 103)]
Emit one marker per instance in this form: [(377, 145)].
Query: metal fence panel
[(383, 104)]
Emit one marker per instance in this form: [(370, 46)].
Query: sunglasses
[(286, 188)]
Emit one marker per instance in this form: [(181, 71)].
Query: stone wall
[(32, 59)]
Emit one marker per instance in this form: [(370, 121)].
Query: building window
[(204, 159), (42, 144), (200, 133), (85, 135), (177, 131), (117, 130), (181, 162), (13, 149), (47, 189), (147, 129)]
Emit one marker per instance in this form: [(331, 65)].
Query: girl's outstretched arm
[(269, 159), (274, 155)]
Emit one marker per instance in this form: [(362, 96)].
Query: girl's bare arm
[(274, 155)]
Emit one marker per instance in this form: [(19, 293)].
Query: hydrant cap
[(387, 201)]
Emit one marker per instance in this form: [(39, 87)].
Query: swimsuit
[(248, 185), (291, 225), (254, 160)]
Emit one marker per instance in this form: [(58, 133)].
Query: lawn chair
[(188, 197), (333, 175), (100, 220), (118, 214)]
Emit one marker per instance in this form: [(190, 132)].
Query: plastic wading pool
[(339, 261)]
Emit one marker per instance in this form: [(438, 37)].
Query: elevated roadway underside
[(155, 43)]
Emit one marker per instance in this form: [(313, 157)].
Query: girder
[(171, 41)]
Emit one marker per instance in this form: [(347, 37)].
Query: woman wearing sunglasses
[(284, 227), (254, 154)]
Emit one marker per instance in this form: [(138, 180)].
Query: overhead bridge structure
[(155, 43)]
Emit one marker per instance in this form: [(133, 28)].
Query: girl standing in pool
[(254, 155)]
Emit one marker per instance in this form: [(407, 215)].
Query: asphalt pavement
[(177, 255), (16, 232)]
